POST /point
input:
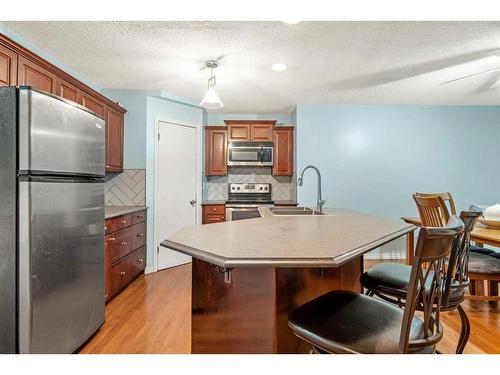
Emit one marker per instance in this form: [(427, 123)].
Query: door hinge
[(158, 249), (158, 136)]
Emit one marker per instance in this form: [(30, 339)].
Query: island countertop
[(328, 240)]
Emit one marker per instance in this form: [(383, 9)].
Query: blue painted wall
[(373, 158)]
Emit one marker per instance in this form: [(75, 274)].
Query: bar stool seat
[(393, 279), (347, 322)]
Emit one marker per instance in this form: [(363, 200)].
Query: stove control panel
[(249, 188)]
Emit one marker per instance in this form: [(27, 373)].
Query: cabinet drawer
[(124, 271), (138, 261), (138, 235), (120, 222), (214, 209), (210, 219), (119, 244), (107, 226), (138, 217)]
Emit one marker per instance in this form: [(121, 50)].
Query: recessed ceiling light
[(279, 67), (292, 22)]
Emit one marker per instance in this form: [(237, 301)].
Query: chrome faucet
[(320, 202)]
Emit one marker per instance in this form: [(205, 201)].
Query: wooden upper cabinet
[(36, 76), (216, 150), (283, 151), (114, 140), (238, 132), (8, 67), (67, 91), (250, 130), (90, 102), (261, 132)]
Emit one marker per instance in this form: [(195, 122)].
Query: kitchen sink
[(294, 211)]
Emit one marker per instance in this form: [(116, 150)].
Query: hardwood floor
[(153, 315)]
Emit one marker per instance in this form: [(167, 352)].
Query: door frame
[(156, 179)]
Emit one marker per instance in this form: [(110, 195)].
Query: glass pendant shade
[(211, 100)]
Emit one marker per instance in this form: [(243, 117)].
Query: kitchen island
[(248, 275)]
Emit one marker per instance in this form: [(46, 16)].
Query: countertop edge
[(124, 211), (285, 262)]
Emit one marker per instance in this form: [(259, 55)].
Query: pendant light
[(211, 100)]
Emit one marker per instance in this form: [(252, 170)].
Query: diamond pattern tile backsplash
[(126, 189), (282, 186)]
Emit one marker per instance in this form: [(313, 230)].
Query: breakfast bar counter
[(248, 275)]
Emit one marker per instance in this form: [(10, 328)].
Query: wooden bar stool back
[(432, 209), (447, 198)]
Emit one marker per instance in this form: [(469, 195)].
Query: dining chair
[(432, 209), (348, 322), (446, 196), (390, 281)]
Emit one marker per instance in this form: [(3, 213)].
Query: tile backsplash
[(282, 188), (126, 189)]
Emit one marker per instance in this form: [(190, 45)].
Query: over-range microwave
[(257, 154)]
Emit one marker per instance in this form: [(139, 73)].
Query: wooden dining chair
[(432, 209), (348, 322), (447, 198)]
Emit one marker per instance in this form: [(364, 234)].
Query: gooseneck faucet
[(319, 202)]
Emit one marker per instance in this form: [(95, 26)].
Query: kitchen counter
[(248, 275), (207, 203), (113, 211), (288, 241)]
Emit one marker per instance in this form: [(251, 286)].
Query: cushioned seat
[(347, 322), (480, 250), (485, 264), (396, 276)]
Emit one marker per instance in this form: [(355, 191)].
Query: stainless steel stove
[(244, 200)]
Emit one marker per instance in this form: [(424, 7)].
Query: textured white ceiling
[(328, 62)]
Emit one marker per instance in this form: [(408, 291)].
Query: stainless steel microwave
[(257, 154)]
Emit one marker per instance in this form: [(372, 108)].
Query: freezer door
[(61, 264), (58, 137)]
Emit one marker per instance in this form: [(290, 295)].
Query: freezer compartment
[(61, 264), (58, 137)]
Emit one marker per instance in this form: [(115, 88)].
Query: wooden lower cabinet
[(124, 251), (213, 213)]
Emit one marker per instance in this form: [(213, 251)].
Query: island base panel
[(248, 312)]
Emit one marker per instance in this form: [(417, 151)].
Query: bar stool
[(389, 281), (347, 322)]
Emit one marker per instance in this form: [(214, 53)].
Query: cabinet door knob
[(140, 260), (123, 221), (140, 216), (140, 235), (112, 239), (123, 244), (123, 273)]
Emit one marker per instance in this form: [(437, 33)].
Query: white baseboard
[(149, 270)]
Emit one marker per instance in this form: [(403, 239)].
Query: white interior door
[(176, 188)]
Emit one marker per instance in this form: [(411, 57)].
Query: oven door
[(242, 212)]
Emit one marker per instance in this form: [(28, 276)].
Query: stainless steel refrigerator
[(51, 222)]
